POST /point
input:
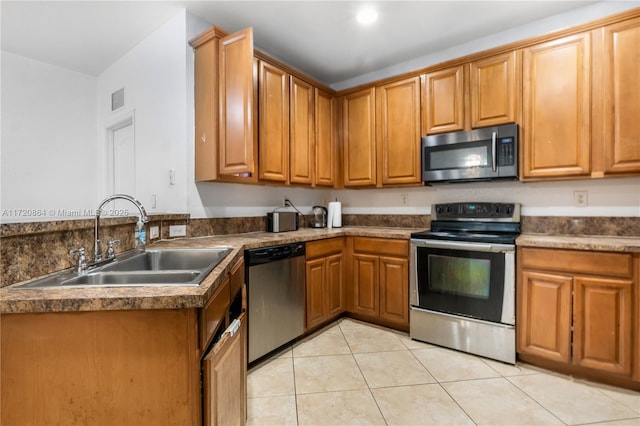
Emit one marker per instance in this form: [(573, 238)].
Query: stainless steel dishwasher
[(275, 296)]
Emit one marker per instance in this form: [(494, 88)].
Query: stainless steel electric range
[(462, 280)]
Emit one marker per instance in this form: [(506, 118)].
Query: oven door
[(475, 280)]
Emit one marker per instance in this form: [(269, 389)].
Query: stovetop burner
[(475, 222)]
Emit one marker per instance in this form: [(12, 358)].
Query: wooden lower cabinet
[(545, 315), (224, 358), (225, 379), (140, 367), (325, 289), (379, 269), (394, 289), (602, 331), (579, 310), (101, 368)]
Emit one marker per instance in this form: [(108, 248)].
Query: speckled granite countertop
[(126, 298), (589, 242)]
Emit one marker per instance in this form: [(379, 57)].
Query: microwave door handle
[(494, 137)]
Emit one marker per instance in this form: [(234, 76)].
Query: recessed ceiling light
[(367, 16)]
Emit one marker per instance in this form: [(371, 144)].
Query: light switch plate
[(154, 232), (177, 230)]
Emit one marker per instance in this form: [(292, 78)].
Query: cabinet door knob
[(203, 138)]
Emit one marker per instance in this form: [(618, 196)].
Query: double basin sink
[(160, 267)]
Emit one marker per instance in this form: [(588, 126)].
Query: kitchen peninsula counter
[(167, 297)]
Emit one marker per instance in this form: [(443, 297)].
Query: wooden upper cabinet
[(236, 104), (206, 110), (621, 95), (398, 132), (443, 101), (493, 90), (302, 132), (325, 139), (358, 115), (273, 88), (557, 108)]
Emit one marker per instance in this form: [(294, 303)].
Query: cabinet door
[(206, 110), (544, 322), (316, 277), (394, 290), (325, 140), (398, 132), (366, 285), (237, 141), (494, 90), (273, 84), (602, 324), (557, 108), (443, 101), (302, 133), (358, 111), (621, 95), (334, 290), (224, 379)]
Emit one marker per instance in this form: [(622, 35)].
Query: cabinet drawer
[(381, 246), (324, 247), (236, 278), (214, 313), (578, 261)]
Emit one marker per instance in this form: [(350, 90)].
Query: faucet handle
[(111, 253), (82, 259)]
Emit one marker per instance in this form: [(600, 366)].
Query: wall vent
[(117, 99)]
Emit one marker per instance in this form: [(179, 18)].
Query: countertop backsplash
[(29, 250)]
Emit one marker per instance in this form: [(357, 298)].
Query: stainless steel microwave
[(481, 154)]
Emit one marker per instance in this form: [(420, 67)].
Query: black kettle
[(319, 218)]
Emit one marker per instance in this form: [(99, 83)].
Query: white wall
[(606, 197), (153, 75), (48, 147)]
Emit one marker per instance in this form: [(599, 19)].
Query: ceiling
[(320, 38)]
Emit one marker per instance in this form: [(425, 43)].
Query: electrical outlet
[(404, 199), (580, 198), (286, 202), (154, 232), (177, 230)]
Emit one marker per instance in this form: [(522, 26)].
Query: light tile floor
[(352, 373)]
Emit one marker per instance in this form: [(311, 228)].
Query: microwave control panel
[(506, 151)]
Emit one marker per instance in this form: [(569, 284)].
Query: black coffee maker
[(319, 218)]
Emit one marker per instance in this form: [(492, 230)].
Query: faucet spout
[(96, 228)]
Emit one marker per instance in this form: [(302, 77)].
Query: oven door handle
[(464, 245)]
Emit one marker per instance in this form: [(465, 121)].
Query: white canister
[(334, 215)]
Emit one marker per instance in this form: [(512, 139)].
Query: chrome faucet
[(97, 257)]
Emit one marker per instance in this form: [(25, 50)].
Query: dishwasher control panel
[(271, 253)]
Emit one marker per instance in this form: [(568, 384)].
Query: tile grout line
[(295, 388), (386, 422), (535, 400)]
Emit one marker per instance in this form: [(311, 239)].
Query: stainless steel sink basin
[(133, 279), (159, 267), (170, 259)]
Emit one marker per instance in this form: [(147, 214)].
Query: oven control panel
[(503, 212)]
